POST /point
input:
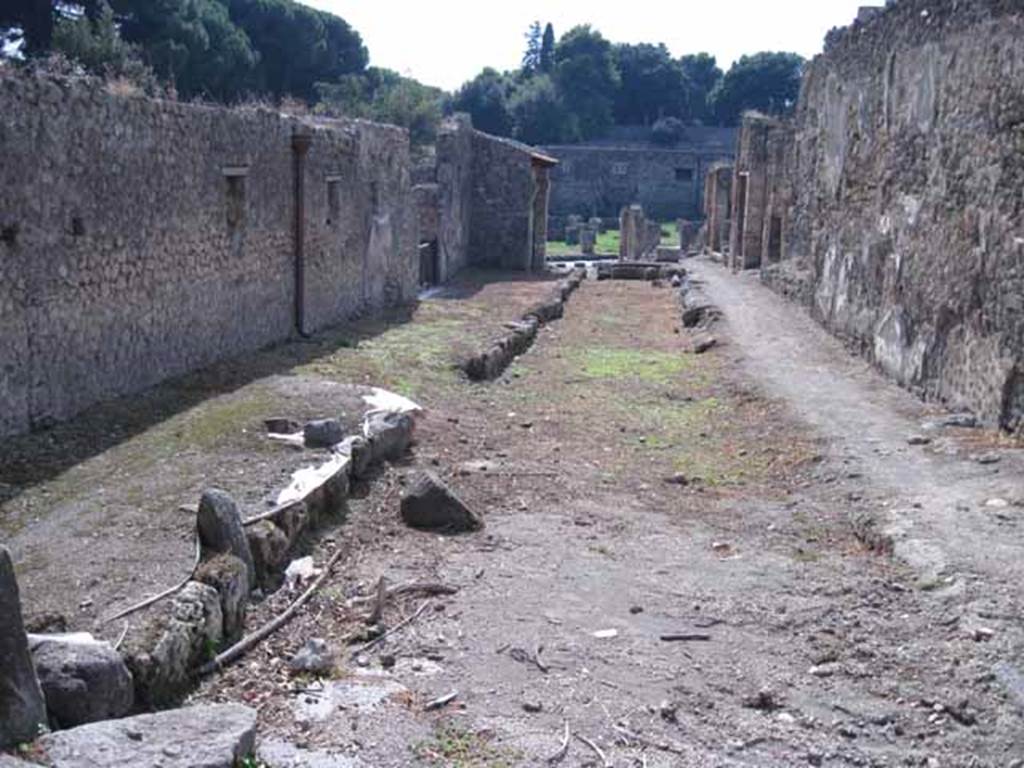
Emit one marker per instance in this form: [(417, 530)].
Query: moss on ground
[(641, 364), (453, 746)]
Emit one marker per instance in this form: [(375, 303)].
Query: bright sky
[(446, 42)]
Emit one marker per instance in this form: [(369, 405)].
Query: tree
[(653, 85), (297, 45), (702, 75), (767, 82), (532, 56), (539, 115), (586, 77), (668, 131), (28, 22), (485, 98), (92, 40), (191, 43), (547, 50), (386, 97)]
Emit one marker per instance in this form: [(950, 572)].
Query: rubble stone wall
[(907, 175), (600, 179), (141, 239)]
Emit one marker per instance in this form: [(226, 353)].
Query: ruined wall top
[(911, 23)]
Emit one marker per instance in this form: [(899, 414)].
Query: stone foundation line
[(74, 681), (490, 364)]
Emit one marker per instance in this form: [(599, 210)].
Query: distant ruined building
[(891, 204), (602, 177)]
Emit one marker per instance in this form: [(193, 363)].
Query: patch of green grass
[(670, 233), (208, 425), (642, 364), (607, 244), (455, 747)]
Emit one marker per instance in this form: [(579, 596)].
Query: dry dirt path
[(805, 647), (936, 493)]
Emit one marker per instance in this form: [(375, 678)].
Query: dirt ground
[(673, 570)]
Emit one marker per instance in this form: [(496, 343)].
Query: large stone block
[(176, 637), (22, 708), (220, 529), (83, 680), (206, 736)]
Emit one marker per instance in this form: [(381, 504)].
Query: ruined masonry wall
[(126, 258), (455, 190), (907, 174), (502, 208)]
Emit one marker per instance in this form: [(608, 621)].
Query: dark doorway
[(775, 239), (430, 268)]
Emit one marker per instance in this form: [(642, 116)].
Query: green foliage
[(653, 85), (587, 78), (668, 131), (531, 58), (767, 82), (298, 46), (539, 114), (385, 97), (547, 50), (222, 49), (485, 99), (702, 75), (94, 42)]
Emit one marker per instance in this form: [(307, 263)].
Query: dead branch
[(440, 702), (597, 750), (166, 593), (398, 626), (412, 587), (242, 646), (563, 749)]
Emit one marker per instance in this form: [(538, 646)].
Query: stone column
[(22, 709)]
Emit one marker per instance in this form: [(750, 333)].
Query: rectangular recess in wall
[(236, 208), (333, 200), (684, 174)]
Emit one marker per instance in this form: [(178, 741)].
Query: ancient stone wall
[(491, 201), (504, 198), (601, 179), (718, 206), (142, 239), (906, 178), (757, 188), (455, 193)]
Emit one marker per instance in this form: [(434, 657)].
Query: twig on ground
[(165, 594), (398, 626), (427, 587), (563, 749), (664, 746), (525, 657), (441, 701), (242, 646), (693, 637), (121, 637), (597, 750)]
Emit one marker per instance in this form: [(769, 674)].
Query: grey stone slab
[(207, 736)]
